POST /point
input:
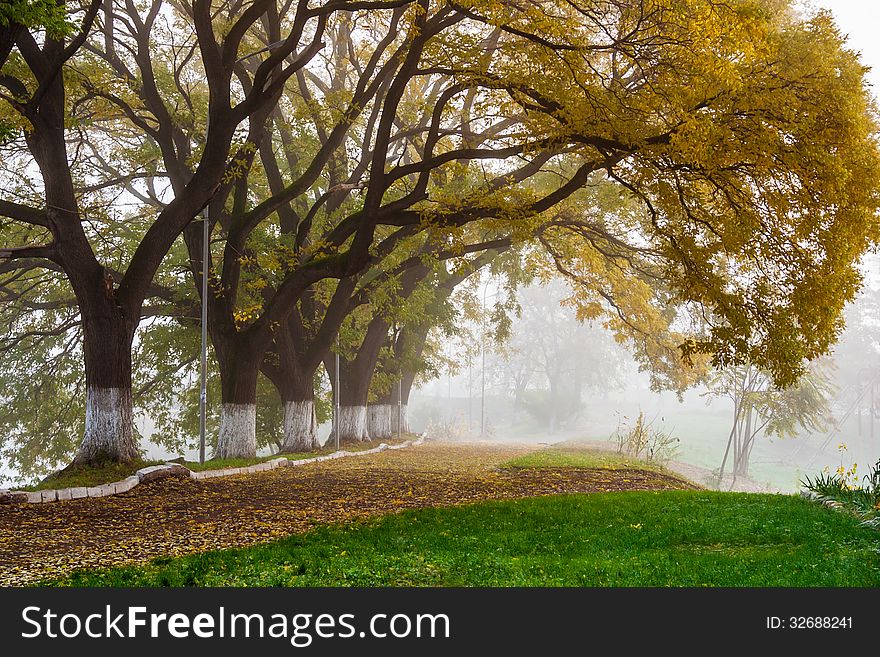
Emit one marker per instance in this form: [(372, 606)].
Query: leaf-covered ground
[(175, 517)]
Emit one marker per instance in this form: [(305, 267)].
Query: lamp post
[(203, 393), (483, 367), (336, 389), (206, 254), (470, 393), (400, 408)]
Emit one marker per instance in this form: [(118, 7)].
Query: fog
[(776, 465), (599, 392)]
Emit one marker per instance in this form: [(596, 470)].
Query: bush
[(840, 490), (642, 440)]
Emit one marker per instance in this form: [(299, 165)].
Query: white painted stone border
[(154, 472)]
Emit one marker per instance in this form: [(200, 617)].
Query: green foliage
[(861, 500), (7, 131), (41, 375), (603, 539), (49, 14)]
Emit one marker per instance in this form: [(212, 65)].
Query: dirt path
[(181, 516)]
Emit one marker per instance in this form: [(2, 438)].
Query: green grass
[(574, 457), (680, 538), (82, 476)]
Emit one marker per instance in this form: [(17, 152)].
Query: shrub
[(841, 490), (642, 440)]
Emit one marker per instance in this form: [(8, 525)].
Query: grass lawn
[(679, 538), (74, 477), (571, 456)]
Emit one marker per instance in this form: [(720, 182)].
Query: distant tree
[(551, 358), (761, 408), (859, 347)]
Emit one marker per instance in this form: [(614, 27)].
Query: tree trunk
[(352, 394), (238, 431), (108, 327), (354, 383), (292, 373), (412, 341), (239, 369), (383, 415), (382, 421), (108, 435), (300, 427), (742, 460), (295, 381), (352, 424), (404, 420), (406, 385)]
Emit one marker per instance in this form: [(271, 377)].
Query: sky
[(860, 19)]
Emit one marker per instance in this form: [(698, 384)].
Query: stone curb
[(155, 472)]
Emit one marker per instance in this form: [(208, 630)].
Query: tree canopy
[(705, 174)]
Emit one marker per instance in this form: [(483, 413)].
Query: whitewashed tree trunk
[(108, 434), (404, 422), (353, 424), (300, 427), (382, 421), (238, 431)]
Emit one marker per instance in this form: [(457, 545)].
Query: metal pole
[(206, 254), (337, 395), (470, 394), (399, 408), (483, 368), (483, 392)]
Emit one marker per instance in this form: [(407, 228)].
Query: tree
[(16, 15), (761, 407), (696, 198), (551, 358), (111, 309), (718, 128), (386, 344)]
